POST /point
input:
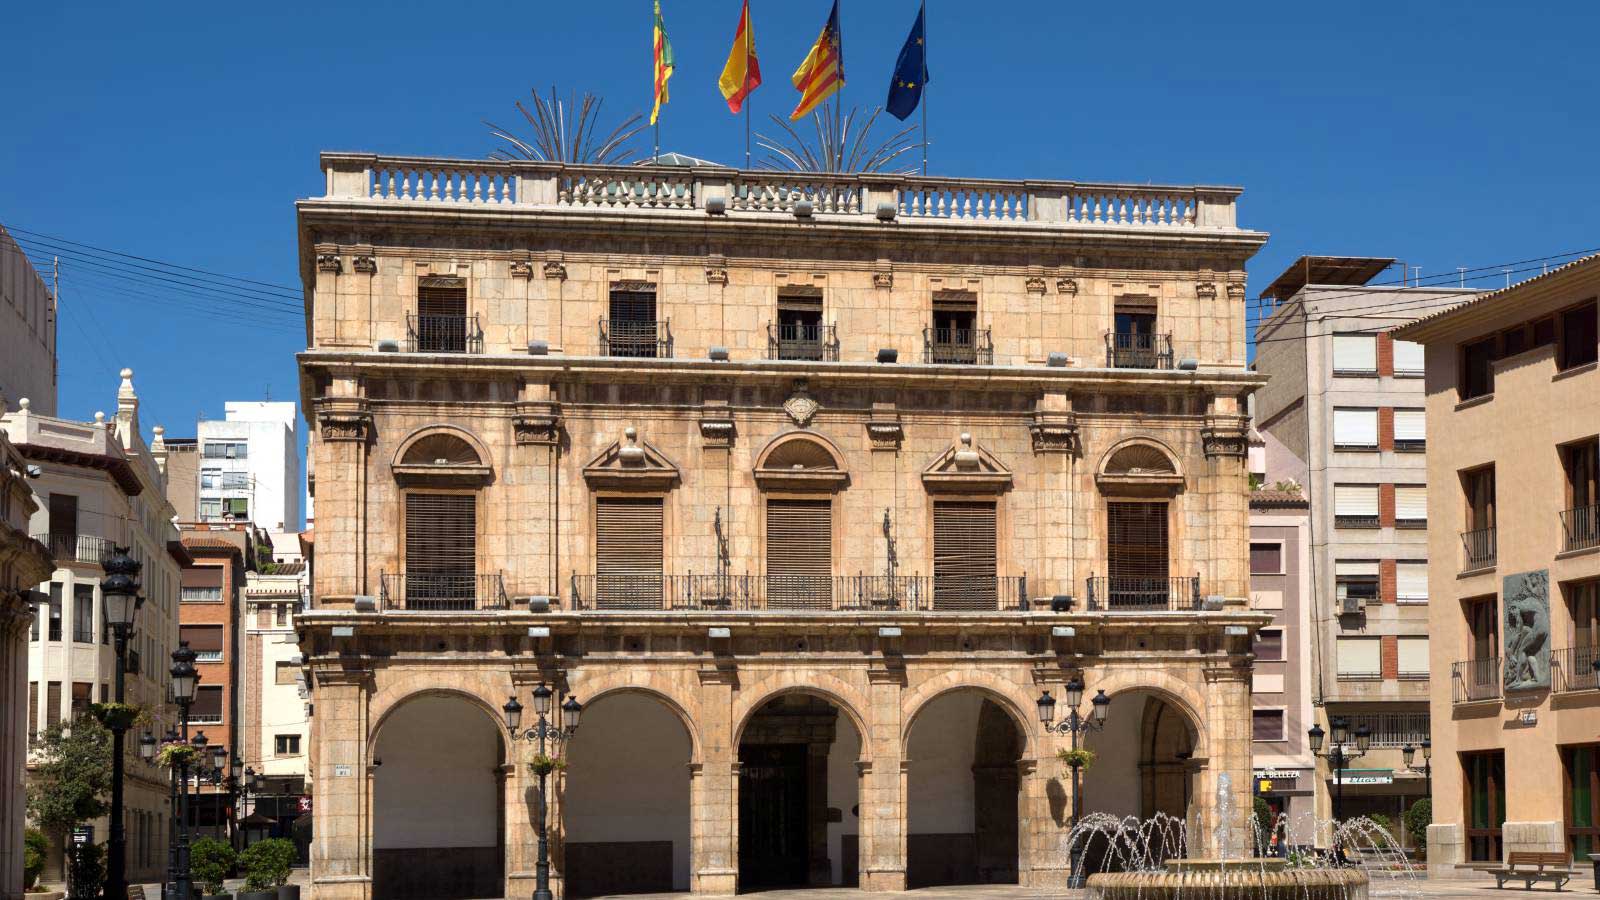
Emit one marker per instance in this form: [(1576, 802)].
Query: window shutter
[(207, 705), (1266, 725), (441, 551), (1411, 503), (1413, 655), (1269, 645), (1354, 567), (202, 638), (1408, 358), (628, 552), (1266, 559), (1355, 353), (1360, 656), (1411, 581), (799, 554), (1355, 428), (1410, 425), (1355, 500), (964, 569)]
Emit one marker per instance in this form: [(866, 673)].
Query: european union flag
[(910, 73)]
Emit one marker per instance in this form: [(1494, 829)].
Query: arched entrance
[(798, 795), (625, 803), (438, 804), (1142, 762), (961, 792)]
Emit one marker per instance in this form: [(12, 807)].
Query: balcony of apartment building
[(1133, 342), (953, 337), (859, 593), (443, 590), (71, 548), (799, 333), (1478, 678), (1580, 520), (631, 329), (441, 323), (1577, 666), (1478, 541)]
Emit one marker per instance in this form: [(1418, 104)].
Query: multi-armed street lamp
[(543, 731), (1075, 724), (1339, 756), (1409, 753), (185, 679), (120, 591)]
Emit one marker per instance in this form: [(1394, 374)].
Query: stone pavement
[(1481, 886)]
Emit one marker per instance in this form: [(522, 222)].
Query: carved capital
[(1235, 291), (716, 276), (1067, 285), (716, 425), (328, 262), (1034, 284), (883, 427), (536, 422), (1205, 290), (365, 264), (521, 268), (883, 279), (344, 419), (1054, 432), (1225, 436), (555, 269)]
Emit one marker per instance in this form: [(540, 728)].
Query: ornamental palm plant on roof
[(844, 144), (566, 132)]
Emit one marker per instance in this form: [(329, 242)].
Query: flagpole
[(748, 26), (924, 103)]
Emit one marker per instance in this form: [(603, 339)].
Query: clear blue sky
[(1448, 134)]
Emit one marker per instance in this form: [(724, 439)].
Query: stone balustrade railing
[(488, 183)]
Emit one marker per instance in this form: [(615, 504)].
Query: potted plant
[(174, 755), (266, 869), (1076, 759), (1417, 820), (116, 716), (210, 862), (35, 847), (544, 765)]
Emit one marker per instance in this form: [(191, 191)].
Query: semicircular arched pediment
[(441, 454), (1140, 459), (800, 461), (1141, 466)]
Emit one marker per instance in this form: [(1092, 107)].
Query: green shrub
[(266, 863), (211, 861), (88, 872), (35, 850), (1417, 820), (1383, 822)]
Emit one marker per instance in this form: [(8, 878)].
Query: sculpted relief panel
[(1527, 635)]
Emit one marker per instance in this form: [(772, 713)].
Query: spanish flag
[(663, 53), (742, 74), (822, 73)]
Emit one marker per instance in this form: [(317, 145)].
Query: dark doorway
[(773, 844)]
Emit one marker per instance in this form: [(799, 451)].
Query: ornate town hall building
[(807, 487)]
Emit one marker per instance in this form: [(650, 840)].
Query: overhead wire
[(46, 237)]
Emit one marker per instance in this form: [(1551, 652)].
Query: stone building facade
[(808, 487)]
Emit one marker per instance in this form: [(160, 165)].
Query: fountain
[(1148, 860)]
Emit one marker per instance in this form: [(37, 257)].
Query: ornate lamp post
[(543, 731), (170, 888), (185, 679), (1410, 754), (1339, 756), (1075, 724), (120, 591)]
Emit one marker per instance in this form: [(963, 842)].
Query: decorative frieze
[(344, 419), (537, 422), (1054, 433)]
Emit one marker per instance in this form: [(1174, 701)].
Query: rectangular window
[(1413, 652), (1580, 340), (34, 627), (55, 610), (1410, 430), (64, 526), (1266, 558), (33, 712), (1411, 581), (1355, 506), (52, 709), (82, 696), (1136, 558), (628, 553), (964, 565), (210, 479), (201, 584), (1360, 658), (441, 551), (1266, 725), (1410, 506), (1483, 627), (204, 640), (1269, 645), (1407, 359), (631, 329), (1355, 429), (1355, 582), (207, 706), (1485, 777), (236, 507), (1355, 354), (286, 744), (799, 332), (236, 480), (1581, 764), (1580, 521), (440, 325), (200, 594), (226, 450), (210, 509), (799, 554), (953, 335), (83, 613), (1477, 368), (1478, 541), (285, 673)]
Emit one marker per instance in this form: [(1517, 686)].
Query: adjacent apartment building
[(821, 494), (27, 332), (100, 487), (275, 702), (1343, 414), (1514, 538), (250, 466)]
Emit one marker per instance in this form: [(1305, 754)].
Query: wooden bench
[(1529, 866)]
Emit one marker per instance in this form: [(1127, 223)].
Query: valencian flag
[(910, 73), (821, 75), (663, 56), (742, 74)]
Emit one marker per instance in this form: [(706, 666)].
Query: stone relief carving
[(554, 269), (883, 427), (365, 264), (521, 268), (800, 406), (716, 276), (328, 262), (1527, 635), (1035, 285), (537, 422), (1206, 290), (1066, 285), (883, 279)]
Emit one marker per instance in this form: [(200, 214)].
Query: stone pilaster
[(883, 787), (1229, 722), (1044, 805), (341, 849), (714, 791)]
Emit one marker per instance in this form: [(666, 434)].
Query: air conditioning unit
[(1350, 606)]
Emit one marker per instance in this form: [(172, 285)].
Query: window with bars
[(441, 551), (799, 553), (629, 537), (964, 548), (441, 322), (631, 328), (1392, 729)]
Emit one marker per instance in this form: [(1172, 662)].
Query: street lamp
[(1410, 754), (147, 747), (1339, 755), (185, 680), (543, 731), (1075, 724), (120, 594)]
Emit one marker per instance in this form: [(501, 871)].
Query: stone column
[(341, 849), (883, 791), (521, 792), (1228, 723), (714, 791), (1044, 813), (14, 623)]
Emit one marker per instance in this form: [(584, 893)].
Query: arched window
[(441, 471), (799, 472), (1137, 480)]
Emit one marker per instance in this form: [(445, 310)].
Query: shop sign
[(1365, 776)]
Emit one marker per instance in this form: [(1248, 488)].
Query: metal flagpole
[(748, 27), (924, 89)]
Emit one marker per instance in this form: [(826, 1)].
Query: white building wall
[(270, 472)]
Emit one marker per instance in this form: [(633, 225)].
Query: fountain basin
[(1258, 879)]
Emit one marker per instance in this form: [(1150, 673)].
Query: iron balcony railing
[(443, 592), (1138, 351), (1123, 594), (638, 340), (443, 334), (957, 346), (790, 340), (1476, 679), (76, 548), (1574, 669), (1580, 528), (1479, 547), (777, 593), (1393, 729), (1355, 521)]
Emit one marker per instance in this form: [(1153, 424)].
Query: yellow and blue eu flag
[(910, 72)]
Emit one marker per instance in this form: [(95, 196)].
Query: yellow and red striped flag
[(742, 74), (822, 73), (664, 67)]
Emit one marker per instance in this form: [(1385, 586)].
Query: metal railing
[(957, 346), (634, 339), (455, 593), (1121, 594), (1476, 679), (80, 548), (1393, 729), (443, 334), (841, 593), (1355, 521), (1574, 669), (1479, 548), (1580, 528), (1138, 351), (792, 340)]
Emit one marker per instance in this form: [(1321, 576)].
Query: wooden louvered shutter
[(799, 554), (964, 570), (441, 551), (1136, 558), (628, 541)]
